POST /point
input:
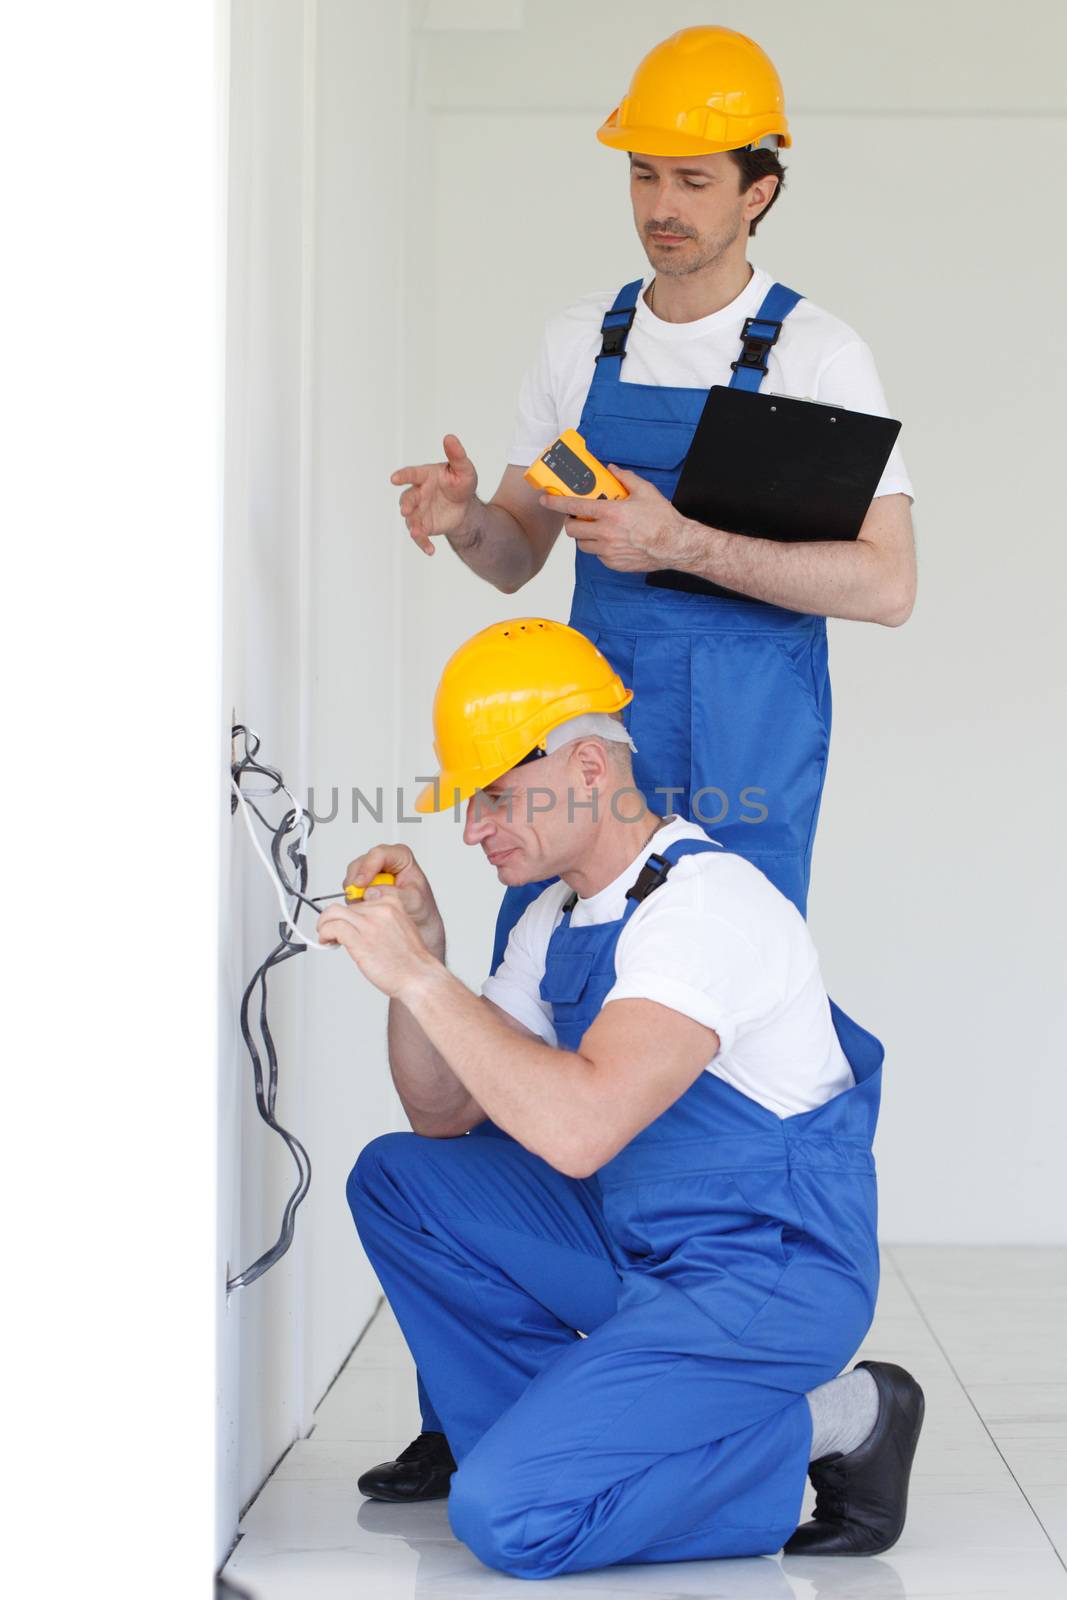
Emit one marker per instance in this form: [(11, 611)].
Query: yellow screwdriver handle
[(355, 891)]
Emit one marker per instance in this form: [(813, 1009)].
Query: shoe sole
[(400, 1499)]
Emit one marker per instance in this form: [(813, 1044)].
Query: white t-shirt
[(718, 943), (817, 357)]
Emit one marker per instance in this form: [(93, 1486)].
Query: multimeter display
[(569, 468)]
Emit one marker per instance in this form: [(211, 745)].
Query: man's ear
[(759, 195), (591, 759)]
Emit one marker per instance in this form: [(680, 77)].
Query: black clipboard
[(772, 467)]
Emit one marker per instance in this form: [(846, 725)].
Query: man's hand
[(382, 940), (440, 495), (640, 534), (411, 891)]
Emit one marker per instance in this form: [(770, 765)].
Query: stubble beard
[(710, 255)]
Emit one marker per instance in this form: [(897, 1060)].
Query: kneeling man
[(674, 1161)]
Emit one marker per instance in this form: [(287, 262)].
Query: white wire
[(279, 887)]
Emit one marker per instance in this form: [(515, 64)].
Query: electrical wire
[(287, 887), (282, 887)]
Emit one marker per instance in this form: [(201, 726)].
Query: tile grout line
[(246, 1508), (371, 1320), (887, 1250)]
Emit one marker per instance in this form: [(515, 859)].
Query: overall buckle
[(754, 346), (652, 875), (613, 341)]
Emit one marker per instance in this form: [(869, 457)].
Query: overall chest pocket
[(650, 448), (565, 986)]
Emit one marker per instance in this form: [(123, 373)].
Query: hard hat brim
[(451, 788), (658, 142)]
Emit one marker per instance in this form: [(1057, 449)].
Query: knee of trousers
[(480, 1518), (491, 1511), (376, 1185)]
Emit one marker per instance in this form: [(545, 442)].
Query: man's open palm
[(439, 496)]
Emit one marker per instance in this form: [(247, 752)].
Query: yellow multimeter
[(567, 467)]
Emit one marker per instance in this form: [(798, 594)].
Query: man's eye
[(691, 185)]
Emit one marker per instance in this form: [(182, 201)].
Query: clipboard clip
[(754, 346)]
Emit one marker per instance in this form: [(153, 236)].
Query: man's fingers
[(348, 924), (633, 483), (453, 449), (419, 534), (335, 927), (392, 858), (568, 506), (415, 475), (367, 866), (582, 533)]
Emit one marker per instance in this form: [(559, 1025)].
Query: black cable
[(266, 1093), (266, 1087), (298, 859)]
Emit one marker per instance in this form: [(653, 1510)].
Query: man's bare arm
[(504, 540), (869, 579), (507, 539), (575, 1109), (435, 1102)]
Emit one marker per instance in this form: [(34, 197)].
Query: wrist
[(469, 532), (423, 982), (699, 546), (432, 935)]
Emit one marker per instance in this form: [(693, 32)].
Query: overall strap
[(759, 333), (615, 330), (653, 874)]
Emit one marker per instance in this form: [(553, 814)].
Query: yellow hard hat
[(701, 91), (502, 692)]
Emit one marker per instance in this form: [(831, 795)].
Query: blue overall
[(723, 1264), (731, 708)]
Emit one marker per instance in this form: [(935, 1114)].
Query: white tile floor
[(983, 1330)]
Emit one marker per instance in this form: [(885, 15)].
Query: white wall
[(316, 143), (922, 207)]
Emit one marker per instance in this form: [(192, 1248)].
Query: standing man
[(732, 725)]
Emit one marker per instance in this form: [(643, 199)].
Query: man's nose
[(479, 821)]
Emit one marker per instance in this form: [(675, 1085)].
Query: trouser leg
[(431, 1422), (658, 1438), (490, 1260)]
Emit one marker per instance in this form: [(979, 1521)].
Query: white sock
[(843, 1413)]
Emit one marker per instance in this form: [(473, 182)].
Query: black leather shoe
[(861, 1498), (421, 1472)]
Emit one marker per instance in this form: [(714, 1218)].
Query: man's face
[(689, 210), (522, 821)]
